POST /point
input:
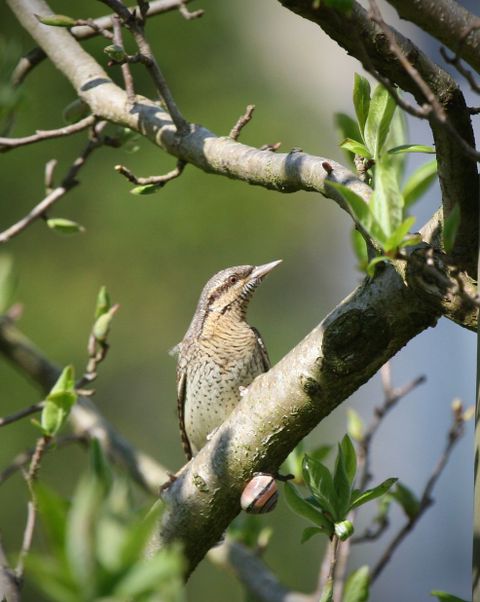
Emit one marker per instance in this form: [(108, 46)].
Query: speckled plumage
[(219, 354)]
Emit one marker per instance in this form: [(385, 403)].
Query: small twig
[(67, 184), (96, 27), (241, 122), (127, 76), (31, 476), (271, 147), (36, 407), (188, 14), (7, 144), (474, 110), (457, 63), (147, 58), (157, 180), (455, 433)]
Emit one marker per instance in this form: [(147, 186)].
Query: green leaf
[(145, 189), (386, 202), (444, 597), (361, 101), (344, 529), (411, 148), (450, 228), (59, 402), (305, 509), (320, 453), (349, 457), (57, 20), (327, 592), (320, 482), (397, 136), (348, 128), (103, 302), (355, 426), (52, 578), (99, 464), (309, 532), (53, 510), (371, 494), (102, 325), (419, 182), (373, 263), (407, 500), (7, 281), (139, 534), (356, 147), (357, 586), (382, 108), (64, 226), (396, 238), (360, 249), (360, 210), (342, 485)]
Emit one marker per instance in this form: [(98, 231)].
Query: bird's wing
[(181, 395), (263, 350)]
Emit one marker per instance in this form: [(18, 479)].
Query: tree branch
[(364, 40)]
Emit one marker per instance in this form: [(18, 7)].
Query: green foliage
[(450, 228), (57, 20), (116, 53), (145, 189), (357, 586), (64, 226), (250, 530), (98, 543), (58, 403), (294, 462), (381, 139), (7, 281), (406, 499), (103, 302), (444, 597), (102, 325), (355, 426), (332, 493)]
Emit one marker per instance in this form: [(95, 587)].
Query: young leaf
[(306, 510), (57, 20), (387, 201), (419, 182), (59, 402), (319, 480), (64, 226), (348, 128), (407, 500), (103, 302), (145, 189), (357, 586), (361, 212), (397, 237), (309, 532), (371, 494), (349, 457), (360, 249), (101, 328), (361, 100), (53, 510), (380, 114), (356, 147), (373, 263), (444, 597), (342, 485), (321, 452), (412, 148), (355, 426), (450, 228)]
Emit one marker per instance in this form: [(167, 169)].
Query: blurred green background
[(154, 254)]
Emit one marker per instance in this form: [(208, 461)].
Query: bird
[(220, 354)]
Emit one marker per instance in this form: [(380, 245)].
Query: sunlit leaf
[(387, 201), (444, 597), (412, 148), (355, 426), (361, 100), (374, 262), (64, 226), (450, 228), (357, 586), (419, 182), (371, 494), (320, 482), (395, 239), (380, 114), (305, 509), (145, 189), (358, 148), (344, 529), (58, 402)]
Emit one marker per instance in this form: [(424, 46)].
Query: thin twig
[(127, 76), (241, 122), (457, 63), (455, 433), (157, 180), (188, 14), (67, 184), (36, 407), (136, 28), (7, 144)]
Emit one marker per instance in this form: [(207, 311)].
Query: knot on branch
[(353, 338)]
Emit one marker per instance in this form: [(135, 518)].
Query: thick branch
[(458, 175), (447, 21), (85, 418)]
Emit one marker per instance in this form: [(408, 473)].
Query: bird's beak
[(262, 270)]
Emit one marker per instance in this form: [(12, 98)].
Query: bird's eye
[(233, 280)]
